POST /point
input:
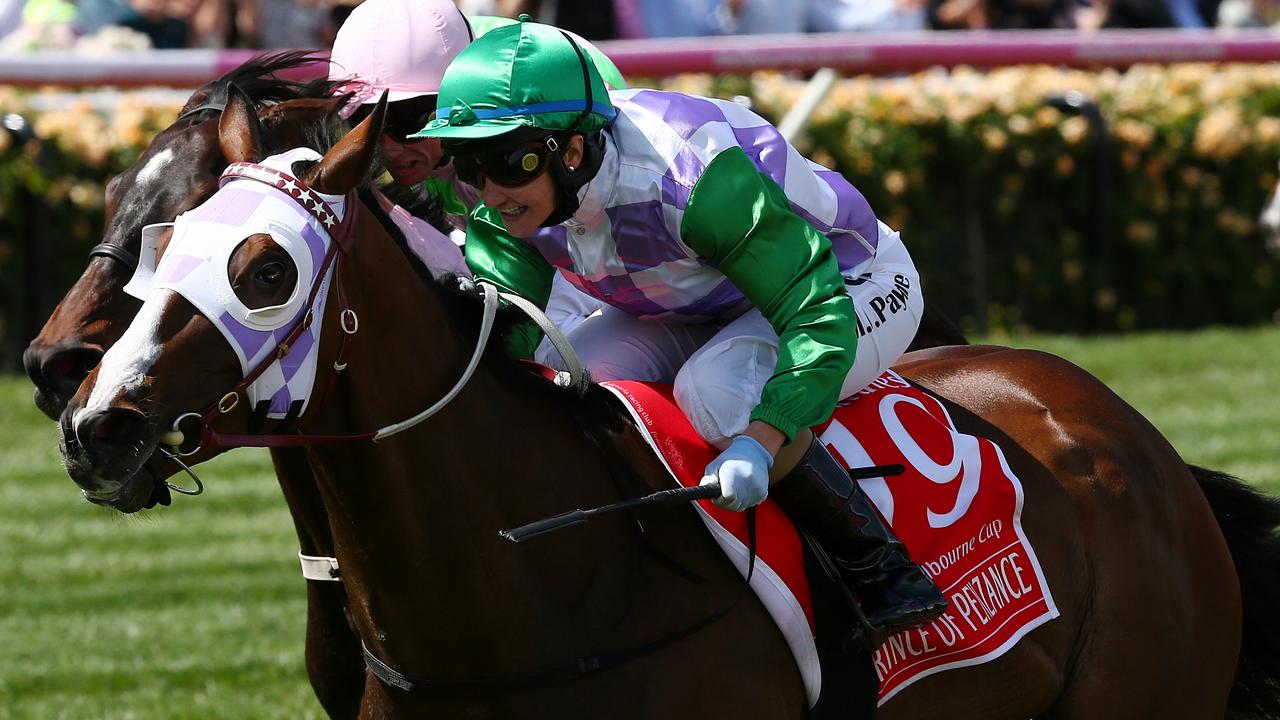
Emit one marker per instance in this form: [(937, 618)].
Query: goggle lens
[(510, 168)]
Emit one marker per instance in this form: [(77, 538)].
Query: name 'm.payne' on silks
[(195, 265)]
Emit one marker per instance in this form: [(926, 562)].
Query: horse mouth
[(142, 470), (142, 490)]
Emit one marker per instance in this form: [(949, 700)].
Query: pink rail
[(847, 53)]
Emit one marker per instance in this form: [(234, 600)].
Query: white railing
[(847, 53)]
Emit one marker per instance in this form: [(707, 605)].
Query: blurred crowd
[(306, 24)]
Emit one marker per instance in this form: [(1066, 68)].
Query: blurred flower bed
[(1011, 208), (990, 185)]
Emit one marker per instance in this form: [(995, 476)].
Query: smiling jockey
[(730, 265)]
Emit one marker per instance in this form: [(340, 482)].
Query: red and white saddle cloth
[(957, 508)]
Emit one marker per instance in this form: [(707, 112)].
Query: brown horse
[(177, 171), (1151, 604)]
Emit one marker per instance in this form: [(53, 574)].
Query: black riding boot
[(893, 591)]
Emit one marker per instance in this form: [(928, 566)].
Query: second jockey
[(759, 283)]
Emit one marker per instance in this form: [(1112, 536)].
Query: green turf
[(196, 611), (193, 611)]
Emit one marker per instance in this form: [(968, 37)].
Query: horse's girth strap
[(546, 675)]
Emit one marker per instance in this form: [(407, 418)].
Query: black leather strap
[(546, 675), (214, 105), (116, 252)]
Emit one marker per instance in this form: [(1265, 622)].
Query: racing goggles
[(512, 167), (404, 117)]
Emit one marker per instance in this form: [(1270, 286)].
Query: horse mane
[(259, 78)]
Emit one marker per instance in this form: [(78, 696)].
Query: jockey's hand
[(743, 473)]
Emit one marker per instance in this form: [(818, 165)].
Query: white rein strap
[(491, 295), (567, 355), (317, 567)]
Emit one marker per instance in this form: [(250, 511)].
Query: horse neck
[(416, 516)]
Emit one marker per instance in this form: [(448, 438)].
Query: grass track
[(196, 611)]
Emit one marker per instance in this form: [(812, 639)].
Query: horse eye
[(271, 273)]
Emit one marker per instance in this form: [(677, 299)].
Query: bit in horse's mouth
[(143, 490)]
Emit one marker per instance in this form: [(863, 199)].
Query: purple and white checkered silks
[(624, 244), (195, 265)]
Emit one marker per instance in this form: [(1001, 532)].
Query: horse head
[(177, 170), (222, 291)]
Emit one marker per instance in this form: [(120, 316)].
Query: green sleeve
[(741, 221), (443, 192), (513, 266)]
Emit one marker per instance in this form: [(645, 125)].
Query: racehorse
[(178, 170), (1138, 546)]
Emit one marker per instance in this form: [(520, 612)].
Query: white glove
[(743, 473)]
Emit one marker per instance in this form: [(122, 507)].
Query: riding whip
[(710, 491)]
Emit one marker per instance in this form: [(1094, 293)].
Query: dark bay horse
[(1131, 539), (178, 170)]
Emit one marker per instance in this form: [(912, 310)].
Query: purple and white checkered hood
[(195, 266)]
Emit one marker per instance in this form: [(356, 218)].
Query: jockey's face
[(525, 207), (410, 163), (409, 160)]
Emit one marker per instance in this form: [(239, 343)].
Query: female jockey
[(403, 47), (729, 265)]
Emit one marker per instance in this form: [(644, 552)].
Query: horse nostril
[(65, 368), (31, 363), (111, 431)]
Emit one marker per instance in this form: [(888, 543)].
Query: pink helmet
[(401, 46)]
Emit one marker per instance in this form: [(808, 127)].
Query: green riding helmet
[(525, 75), (484, 24)]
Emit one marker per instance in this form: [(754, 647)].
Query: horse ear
[(348, 162), (239, 130)]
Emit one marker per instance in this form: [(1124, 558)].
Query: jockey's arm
[(513, 266), (741, 221), (445, 191)]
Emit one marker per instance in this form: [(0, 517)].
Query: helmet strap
[(586, 84), (567, 183)]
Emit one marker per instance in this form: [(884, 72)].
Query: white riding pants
[(567, 308), (719, 371)]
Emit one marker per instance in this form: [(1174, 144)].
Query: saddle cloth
[(957, 508)]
